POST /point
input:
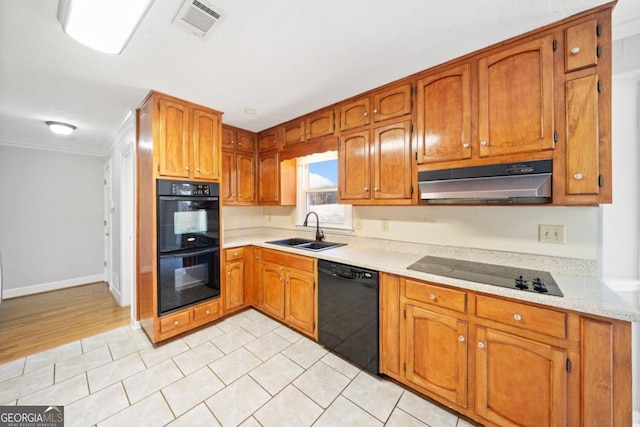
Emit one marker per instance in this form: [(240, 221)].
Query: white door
[(108, 221)]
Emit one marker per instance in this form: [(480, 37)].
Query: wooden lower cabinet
[(505, 362), (519, 382), (287, 289), (435, 353), (186, 319), (233, 291)]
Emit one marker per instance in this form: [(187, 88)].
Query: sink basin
[(310, 245)]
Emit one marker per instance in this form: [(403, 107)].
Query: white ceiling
[(283, 58)]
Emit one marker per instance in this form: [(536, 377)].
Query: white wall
[(50, 220)]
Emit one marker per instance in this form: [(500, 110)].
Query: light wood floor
[(39, 322)]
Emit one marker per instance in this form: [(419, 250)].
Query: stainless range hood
[(510, 183)]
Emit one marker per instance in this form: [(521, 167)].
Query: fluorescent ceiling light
[(60, 128), (104, 25)]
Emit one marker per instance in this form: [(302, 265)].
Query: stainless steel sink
[(310, 245)]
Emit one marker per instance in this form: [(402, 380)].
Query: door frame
[(108, 223)]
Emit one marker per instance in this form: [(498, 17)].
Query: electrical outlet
[(357, 224), (384, 225), (551, 233)]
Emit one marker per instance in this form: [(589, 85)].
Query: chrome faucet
[(319, 233)]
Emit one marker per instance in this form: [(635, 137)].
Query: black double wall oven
[(188, 220)]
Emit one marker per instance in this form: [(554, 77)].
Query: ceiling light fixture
[(104, 25), (60, 128)]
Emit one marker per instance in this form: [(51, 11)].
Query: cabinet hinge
[(158, 104), (556, 136), (600, 181), (314, 285), (555, 45), (416, 155), (599, 51), (404, 367), (314, 326), (405, 313), (105, 263), (598, 30), (599, 85), (411, 189), (411, 104), (568, 365)]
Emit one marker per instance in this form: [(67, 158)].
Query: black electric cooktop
[(539, 282)]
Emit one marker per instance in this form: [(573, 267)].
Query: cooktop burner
[(540, 282)]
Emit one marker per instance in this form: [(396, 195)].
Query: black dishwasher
[(348, 312)]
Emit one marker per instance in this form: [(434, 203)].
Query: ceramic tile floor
[(247, 370)]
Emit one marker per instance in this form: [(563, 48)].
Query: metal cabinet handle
[(186, 168), (575, 50), (465, 145), (228, 273), (483, 143), (432, 297), (366, 189), (235, 254), (376, 189), (197, 169), (480, 344), (375, 111), (175, 323), (208, 312), (461, 338), (517, 317), (577, 176), (366, 114)]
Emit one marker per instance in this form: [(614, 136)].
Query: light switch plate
[(551, 234)]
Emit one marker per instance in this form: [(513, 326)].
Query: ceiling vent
[(198, 17)]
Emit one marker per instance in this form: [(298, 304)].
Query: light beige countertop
[(583, 291)]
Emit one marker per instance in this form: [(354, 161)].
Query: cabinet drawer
[(204, 312), (174, 321), (581, 45), (233, 254), (436, 295), (536, 319), (289, 260)]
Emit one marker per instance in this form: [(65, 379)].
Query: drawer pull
[(235, 254), (228, 273), (208, 312), (465, 145), (461, 338), (577, 176), (366, 114), (175, 323), (432, 297), (480, 344), (517, 317), (186, 168), (575, 50), (375, 111)]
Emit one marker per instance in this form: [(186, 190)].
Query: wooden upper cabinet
[(206, 154), (245, 178), (319, 124), (355, 114), (228, 178), (581, 46), (228, 138), (268, 177), (392, 161), (354, 163), (270, 139), (293, 132), (387, 104), (392, 103), (444, 115), (245, 141), (516, 99), (174, 139)]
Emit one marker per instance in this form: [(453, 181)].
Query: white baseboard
[(51, 286)]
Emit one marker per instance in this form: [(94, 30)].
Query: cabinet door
[(269, 139), (516, 99), (355, 114), (206, 149), (272, 288), (354, 166), (436, 353), (581, 46), (444, 116), (582, 136), (245, 141), (228, 178), (392, 161), (245, 178), (268, 177), (519, 381), (392, 103), (300, 301), (234, 284), (293, 132), (174, 139), (228, 141), (319, 124), (390, 325)]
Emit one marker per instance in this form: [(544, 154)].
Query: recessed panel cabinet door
[(444, 116), (174, 139), (228, 179), (516, 99), (519, 382), (206, 128), (234, 284), (272, 289), (354, 166), (436, 353), (392, 161), (246, 178), (300, 300), (391, 103), (268, 178)]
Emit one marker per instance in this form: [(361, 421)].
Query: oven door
[(185, 278), (187, 223)]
